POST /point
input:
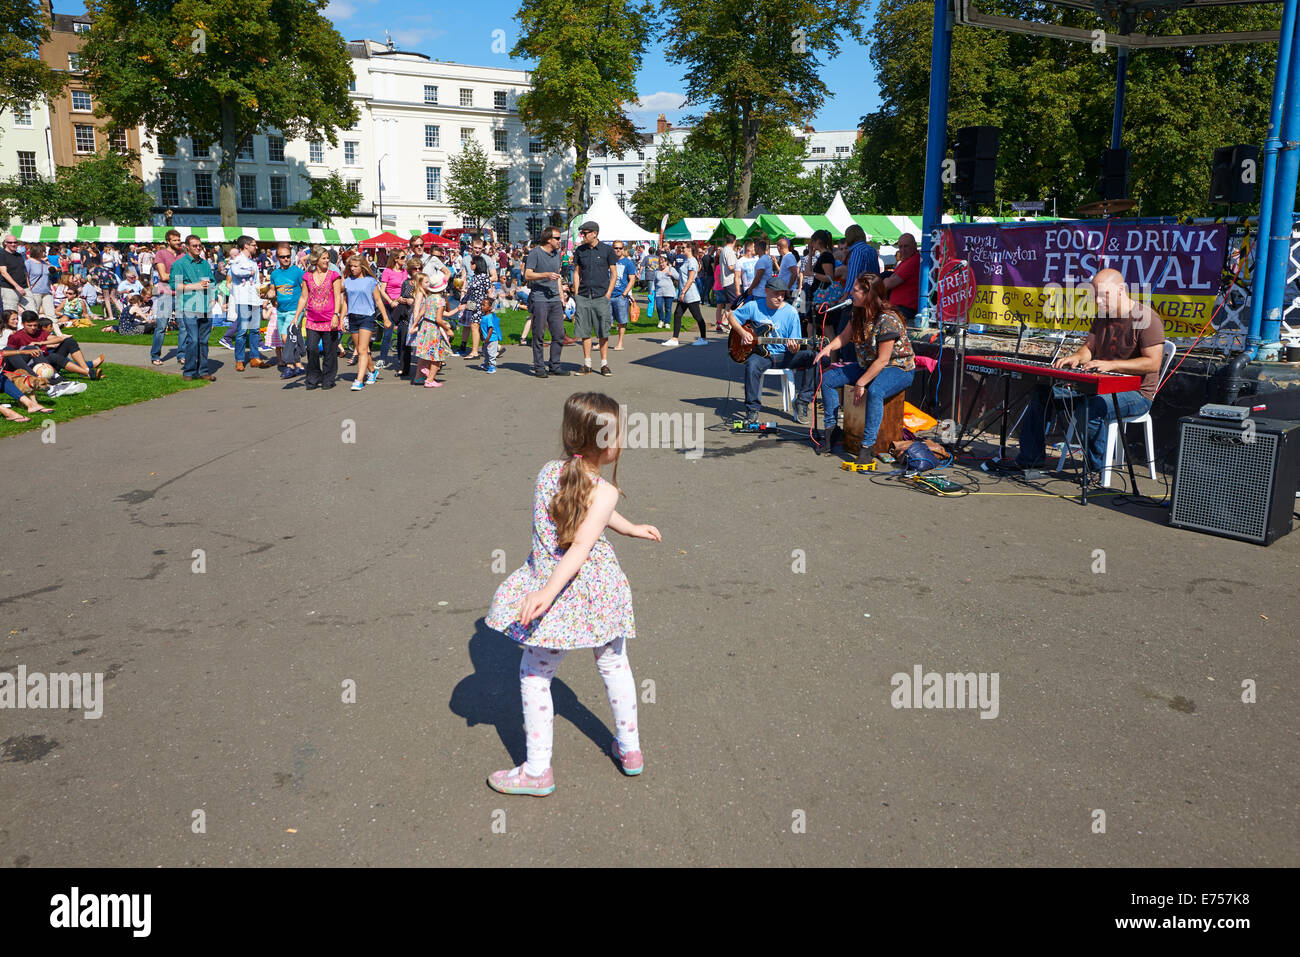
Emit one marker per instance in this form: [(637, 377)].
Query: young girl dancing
[(572, 593)]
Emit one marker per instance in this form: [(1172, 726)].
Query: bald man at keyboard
[(1126, 336)]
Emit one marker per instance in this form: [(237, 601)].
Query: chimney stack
[(662, 126)]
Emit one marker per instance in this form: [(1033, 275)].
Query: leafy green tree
[(103, 188), (1052, 101), (331, 197), (99, 188), (692, 180), (24, 77), (475, 187), (32, 201), (219, 71), (587, 54), (756, 63)]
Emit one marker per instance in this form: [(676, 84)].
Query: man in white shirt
[(430, 264), (789, 271), (246, 303), (727, 294)]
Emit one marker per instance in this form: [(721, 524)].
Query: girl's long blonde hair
[(590, 424)]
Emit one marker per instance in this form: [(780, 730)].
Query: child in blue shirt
[(490, 326)]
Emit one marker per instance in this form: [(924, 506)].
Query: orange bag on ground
[(916, 420)]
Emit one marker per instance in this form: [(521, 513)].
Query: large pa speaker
[(977, 163), (1114, 174), (1236, 479), (1234, 174)]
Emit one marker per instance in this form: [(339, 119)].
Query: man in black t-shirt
[(13, 275), (595, 272)]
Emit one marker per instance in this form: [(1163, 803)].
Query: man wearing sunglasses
[(542, 273)]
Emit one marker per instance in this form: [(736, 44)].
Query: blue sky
[(463, 32)]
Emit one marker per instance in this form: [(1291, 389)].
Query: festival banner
[(1039, 274)]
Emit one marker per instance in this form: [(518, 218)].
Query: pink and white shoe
[(632, 763), (515, 781)]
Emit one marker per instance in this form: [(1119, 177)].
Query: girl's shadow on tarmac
[(491, 694)]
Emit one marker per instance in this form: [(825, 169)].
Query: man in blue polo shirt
[(774, 310)]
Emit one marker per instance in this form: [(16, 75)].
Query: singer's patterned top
[(886, 326)]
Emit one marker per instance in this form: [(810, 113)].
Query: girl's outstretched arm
[(621, 525), (537, 602)]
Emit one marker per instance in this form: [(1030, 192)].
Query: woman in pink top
[(390, 290), (322, 298)]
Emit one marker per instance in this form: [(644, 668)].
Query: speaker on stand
[(976, 156)]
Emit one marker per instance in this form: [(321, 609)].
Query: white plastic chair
[(787, 387), (1114, 457)]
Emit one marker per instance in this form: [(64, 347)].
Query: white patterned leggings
[(538, 667)]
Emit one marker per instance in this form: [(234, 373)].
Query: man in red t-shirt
[(62, 352), (903, 285)]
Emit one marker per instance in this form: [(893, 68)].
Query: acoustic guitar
[(740, 350)]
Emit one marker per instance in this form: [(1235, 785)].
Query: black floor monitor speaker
[(976, 155), (1236, 479), (1114, 174)]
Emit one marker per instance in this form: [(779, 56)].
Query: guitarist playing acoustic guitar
[(784, 321)]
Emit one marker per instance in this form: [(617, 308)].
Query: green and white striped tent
[(881, 229), (155, 234)]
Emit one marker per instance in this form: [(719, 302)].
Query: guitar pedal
[(739, 426), (858, 466)]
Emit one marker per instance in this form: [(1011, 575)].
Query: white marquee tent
[(613, 222)]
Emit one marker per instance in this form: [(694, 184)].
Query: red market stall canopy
[(384, 241)]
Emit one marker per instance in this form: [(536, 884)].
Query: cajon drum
[(855, 419)]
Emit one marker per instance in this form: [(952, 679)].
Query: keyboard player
[(1126, 336)]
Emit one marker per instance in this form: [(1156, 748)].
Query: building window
[(247, 191), (27, 166), (595, 180), (640, 154), (279, 190), (503, 181), (499, 140), (168, 191), (502, 227), (245, 151), (841, 149), (640, 179), (534, 226), (166, 147), (84, 137), (432, 136), (433, 184), (466, 97), (354, 186), (117, 140), (74, 62), (620, 179), (466, 135), (81, 28), (430, 95), (499, 99), (350, 153), (535, 146), (81, 101), (275, 149), (23, 114), (534, 190), (203, 189), (817, 150), (469, 222), (433, 225), (316, 152), (352, 84)]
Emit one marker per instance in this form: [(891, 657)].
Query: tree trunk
[(578, 197), (733, 197), (749, 132), (226, 171)]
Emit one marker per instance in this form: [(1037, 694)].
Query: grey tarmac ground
[(373, 562)]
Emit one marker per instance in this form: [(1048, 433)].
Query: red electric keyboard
[(1091, 383)]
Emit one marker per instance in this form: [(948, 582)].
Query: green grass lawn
[(121, 385), (512, 324)]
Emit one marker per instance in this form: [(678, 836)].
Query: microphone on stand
[(838, 305)]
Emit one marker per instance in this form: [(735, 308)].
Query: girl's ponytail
[(590, 426)]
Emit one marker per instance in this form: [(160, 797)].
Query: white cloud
[(659, 103), (340, 10), (412, 38)]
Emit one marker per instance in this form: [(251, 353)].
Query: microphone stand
[(1006, 396)]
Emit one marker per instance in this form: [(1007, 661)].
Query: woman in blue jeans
[(884, 366)]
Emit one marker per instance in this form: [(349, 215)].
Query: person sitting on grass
[(76, 311), (135, 319), (62, 352)]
